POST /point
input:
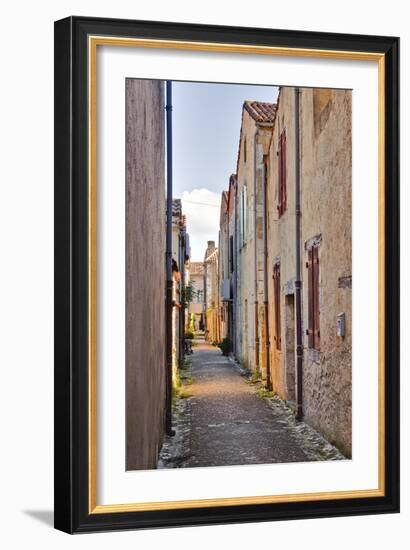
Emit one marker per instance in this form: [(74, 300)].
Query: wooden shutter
[(231, 254), (279, 207), (282, 174), (313, 298), (276, 288), (310, 330), (283, 149), (279, 323), (316, 313)]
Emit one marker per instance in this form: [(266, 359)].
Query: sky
[(206, 127)]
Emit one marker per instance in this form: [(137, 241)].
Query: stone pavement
[(231, 423)]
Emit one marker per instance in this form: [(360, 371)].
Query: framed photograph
[(226, 274)]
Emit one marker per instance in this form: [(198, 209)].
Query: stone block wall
[(145, 272)]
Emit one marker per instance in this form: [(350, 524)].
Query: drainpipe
[(255, 255), (298, 283), (265, 277), (169, 283)]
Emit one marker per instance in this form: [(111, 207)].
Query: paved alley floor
[(230, 423)]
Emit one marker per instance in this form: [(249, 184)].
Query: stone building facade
[(289, 228), (196, 308), (180, 262), (225, 311), (211, 293), (256, 129), (324, 165), (233, 262), (326, 162), (145, 295)]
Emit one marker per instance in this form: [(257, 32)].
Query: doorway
[(290, 351)]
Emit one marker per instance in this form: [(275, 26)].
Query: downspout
[(265, 278), (298, 283), (255, 255), (169, 283)]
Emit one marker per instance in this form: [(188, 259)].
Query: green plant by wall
[(187, 294), (225, 346)]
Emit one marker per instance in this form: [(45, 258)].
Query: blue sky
[(206, 127)]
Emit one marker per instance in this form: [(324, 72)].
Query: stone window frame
[(313, 267)]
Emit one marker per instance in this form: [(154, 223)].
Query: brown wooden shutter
[(279, 207), (310, 330), (284, 171), (278, 307), (276, 292), (280, 175), (316, 320), (275, 306)]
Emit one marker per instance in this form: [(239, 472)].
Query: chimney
[(210, 248)]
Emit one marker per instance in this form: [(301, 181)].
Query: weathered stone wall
[(211, 284), (232, 233), (145, 272), (246, 350), (325, 129), (177, 287), (223, 264), (196, 279), (326, 175), (263, 140), (281, 248)]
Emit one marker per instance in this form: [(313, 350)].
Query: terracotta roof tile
[(261, 111), (196, 268)]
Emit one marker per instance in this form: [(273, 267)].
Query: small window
[(244, 150), (231, 262), (276, 296), (312, 265), (282, 174)]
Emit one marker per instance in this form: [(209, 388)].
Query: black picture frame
[(71, 276)]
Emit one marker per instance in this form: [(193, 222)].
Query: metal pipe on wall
[(168, 254), (265, 277), (298, 283), (255, 254)]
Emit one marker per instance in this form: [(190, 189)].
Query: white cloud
[(202, 208)]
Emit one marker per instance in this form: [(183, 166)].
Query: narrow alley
[(246, 356), (229, 419)]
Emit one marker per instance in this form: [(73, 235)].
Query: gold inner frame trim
[(93, 42)]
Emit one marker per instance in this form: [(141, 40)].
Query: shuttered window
[(312, 265), (282, 174), (231, 254), (276, 295)]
